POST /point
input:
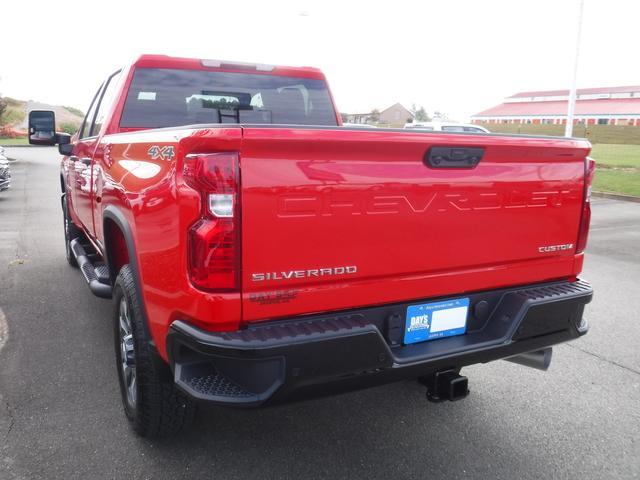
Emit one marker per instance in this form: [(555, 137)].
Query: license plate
[(430, 321)]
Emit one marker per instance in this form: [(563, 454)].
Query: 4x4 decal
[(161, 153)]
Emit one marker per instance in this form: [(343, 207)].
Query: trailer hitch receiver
[(446, 385)]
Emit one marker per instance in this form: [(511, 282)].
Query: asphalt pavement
[(60, 410)]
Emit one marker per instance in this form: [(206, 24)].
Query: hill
[(14, 118)]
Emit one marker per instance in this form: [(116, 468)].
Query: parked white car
[(446, 127), (358, 125)]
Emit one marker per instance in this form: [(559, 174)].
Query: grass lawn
[(617, 181), (618, 168), (612, 155), (13, 141)]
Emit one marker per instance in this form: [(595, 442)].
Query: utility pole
[(568, 132)]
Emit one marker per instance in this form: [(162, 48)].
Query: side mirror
[(64, 144), (42, 127)]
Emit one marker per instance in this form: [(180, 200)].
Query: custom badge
[(161, 153)]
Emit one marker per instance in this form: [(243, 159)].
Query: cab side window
[(106, 102), (88, 119)]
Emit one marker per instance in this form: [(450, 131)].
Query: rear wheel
[(152, 403), (70, 232)]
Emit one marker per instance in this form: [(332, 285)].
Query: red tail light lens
[(585, 221), (212, 254), (214, 246)]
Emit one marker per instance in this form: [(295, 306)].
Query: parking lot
[(60, 411)]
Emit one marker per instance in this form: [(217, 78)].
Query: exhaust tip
[(539, 359)]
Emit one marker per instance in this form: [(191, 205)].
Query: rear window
[(168, 97)]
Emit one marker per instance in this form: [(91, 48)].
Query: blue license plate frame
[(435, 320)]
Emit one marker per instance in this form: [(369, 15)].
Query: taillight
[(585, 220), (214, 239)]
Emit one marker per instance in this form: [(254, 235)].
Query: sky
[(457, 57)]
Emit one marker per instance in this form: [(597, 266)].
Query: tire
[(152, 403), (70, 232)]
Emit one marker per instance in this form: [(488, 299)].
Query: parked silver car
[(446, 127), (5, 172)]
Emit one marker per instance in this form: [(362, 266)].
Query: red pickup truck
[(257, 251)]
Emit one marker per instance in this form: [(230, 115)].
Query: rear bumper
[(320, 354)]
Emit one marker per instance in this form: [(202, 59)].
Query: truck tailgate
[(338, 218)]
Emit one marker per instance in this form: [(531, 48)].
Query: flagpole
[(568, 132)]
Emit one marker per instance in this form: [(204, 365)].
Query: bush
[(69, 128), (12, 116), (8, 131)]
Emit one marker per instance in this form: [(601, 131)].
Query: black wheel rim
[(127, 354)]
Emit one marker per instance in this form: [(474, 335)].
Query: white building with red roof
[(594, 106)]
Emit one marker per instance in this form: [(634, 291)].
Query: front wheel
[(152, 403)]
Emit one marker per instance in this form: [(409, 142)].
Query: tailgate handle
[(453, 157)]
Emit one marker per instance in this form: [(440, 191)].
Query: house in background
[(395, 114), (594, 106)]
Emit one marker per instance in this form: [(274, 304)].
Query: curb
[(616, 196), (15, 146)]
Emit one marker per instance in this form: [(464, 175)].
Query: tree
[(437, 115), (3, 108), (419, 113), (374, 116)]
